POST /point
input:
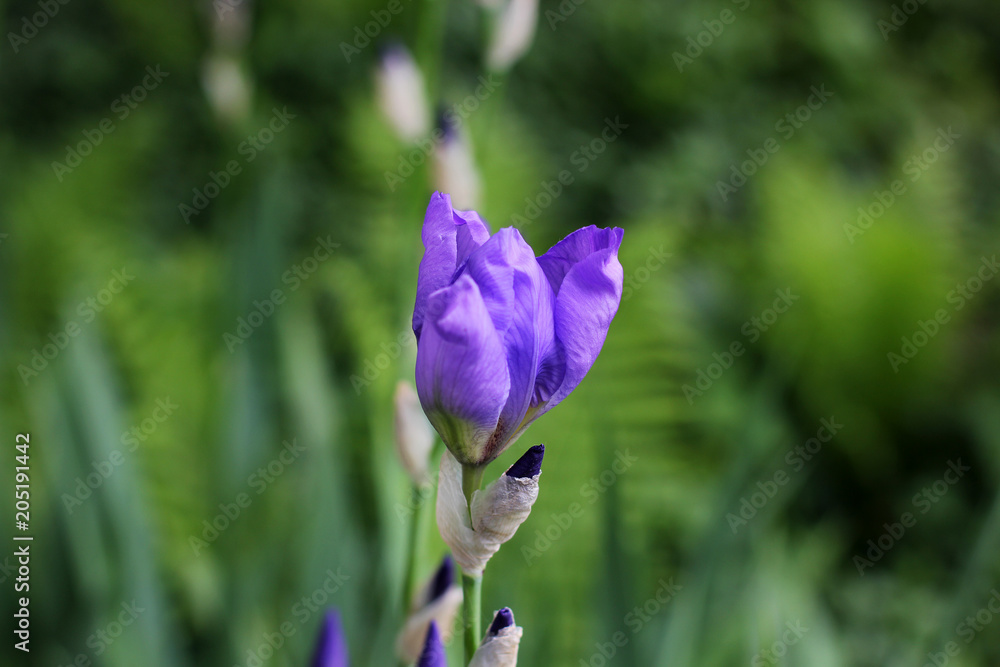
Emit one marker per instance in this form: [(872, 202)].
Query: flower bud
[(433, 654), (331, 648), (499, 647), (514, 32), (400, 89), (497, 510), (414, 434), (454, 167), (436, 603), (227, 87)]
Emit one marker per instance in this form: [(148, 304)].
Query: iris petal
[(462, 376), (521, 303), (449, 238), (587, 277)]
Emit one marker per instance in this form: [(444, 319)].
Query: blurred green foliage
[(336, 508)]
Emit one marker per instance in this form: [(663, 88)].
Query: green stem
[(413, 546), (472, 586), (472, 479), (472, 603)]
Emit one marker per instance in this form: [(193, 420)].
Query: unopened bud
[(401, 93), (227, 87), (414, 434), (331, 647), (433, 654), (437, 602), (496, 513), (454, 166), (515, 30), (499, 647)]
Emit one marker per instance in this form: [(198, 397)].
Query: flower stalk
[(417, 522), (472, 480), (472, 603), (472, 586)]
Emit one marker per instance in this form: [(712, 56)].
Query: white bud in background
[(497, 510), (454, 167), (414, 434), (401, 96), (513, 33), (438, 600), (227, 87), (499, 647)]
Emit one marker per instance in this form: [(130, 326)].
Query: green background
[(572, 586)]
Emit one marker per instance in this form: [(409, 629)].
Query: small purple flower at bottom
[(433, 654), (331, 648), (438, 599)]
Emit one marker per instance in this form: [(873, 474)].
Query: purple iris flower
[(331, 648), (503, 336)]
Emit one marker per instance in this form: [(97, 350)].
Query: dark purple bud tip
[(433, 654), (528, 465), (503, 619), (390, 48), (443, 579), (444, 119)]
